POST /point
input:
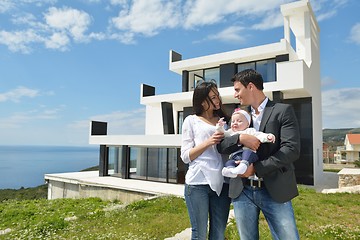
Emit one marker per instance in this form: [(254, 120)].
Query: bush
[(39, 192), (357, 163)]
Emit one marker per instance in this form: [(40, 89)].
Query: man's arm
[(233, 143)]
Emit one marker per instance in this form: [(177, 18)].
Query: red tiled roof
[(353, 138)]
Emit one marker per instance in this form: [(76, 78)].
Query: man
[(269, 184)]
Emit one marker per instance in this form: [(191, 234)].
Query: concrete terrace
[(83, 181), (90, 184)]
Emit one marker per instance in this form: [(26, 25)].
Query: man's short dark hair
[(249, 76)]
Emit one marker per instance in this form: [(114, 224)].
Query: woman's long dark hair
[(201, 94)]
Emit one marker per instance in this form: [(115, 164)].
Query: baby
[(241, 159)]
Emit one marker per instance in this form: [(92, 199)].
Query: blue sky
[(64, 63)]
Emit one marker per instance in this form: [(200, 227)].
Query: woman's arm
[(190, 151)]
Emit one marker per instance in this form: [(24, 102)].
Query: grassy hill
[(337, 136)]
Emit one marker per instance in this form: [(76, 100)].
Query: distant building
[(350, 152), (328, 153), (291, 71)]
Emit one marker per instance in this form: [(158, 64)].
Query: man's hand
[(249, 171), (249, 141)]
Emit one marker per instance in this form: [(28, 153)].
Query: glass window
[(172, 168), (212, 73), (180, 121), (138, 157), (267, 69), (115, 159), (244, 66), (204, 75), (154, 164), (112, 157), (157, 161), (195, 76)]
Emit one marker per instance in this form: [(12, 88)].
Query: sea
[(25, 166)]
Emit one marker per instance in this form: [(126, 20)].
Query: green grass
[(332, 170), (318, 216), (91, 219)]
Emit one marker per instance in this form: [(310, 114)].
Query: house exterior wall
[(352, 156), (350, 152), (153, 127)]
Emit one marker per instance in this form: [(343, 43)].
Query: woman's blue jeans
[(205, 205), (279, 216)]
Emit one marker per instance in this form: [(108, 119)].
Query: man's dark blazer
[(275, 163)]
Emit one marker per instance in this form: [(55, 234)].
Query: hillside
[(337, 136)]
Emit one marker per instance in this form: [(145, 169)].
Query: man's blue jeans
[(279, 216), (204, 204)]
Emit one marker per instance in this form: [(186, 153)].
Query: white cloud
[(24, 19), (340, 108), (230, 34), (49, 113), (147, 17), (57, 41), (326, 15), (121, 123), (126, 38), (326, 9), (18, 41), (20, 119), (118, 2), (272, 19), (18, 93), (200, 13), (327, 82), (355, 33), (71, 20), (60, 27), (6, 5)]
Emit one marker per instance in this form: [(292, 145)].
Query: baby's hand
[(271, 137), (220, 125)]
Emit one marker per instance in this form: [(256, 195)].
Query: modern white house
[(291, 71), (350, 152)]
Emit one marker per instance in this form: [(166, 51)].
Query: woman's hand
[(216, 137), (199, 149)]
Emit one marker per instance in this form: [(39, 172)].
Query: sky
[(64, 63)]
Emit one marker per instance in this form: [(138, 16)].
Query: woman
[(206, 194)]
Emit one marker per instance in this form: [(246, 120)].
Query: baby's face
[(239, 122)]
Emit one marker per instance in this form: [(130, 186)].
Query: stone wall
[(349, 177)]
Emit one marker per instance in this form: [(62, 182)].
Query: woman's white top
[(206, 168)]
